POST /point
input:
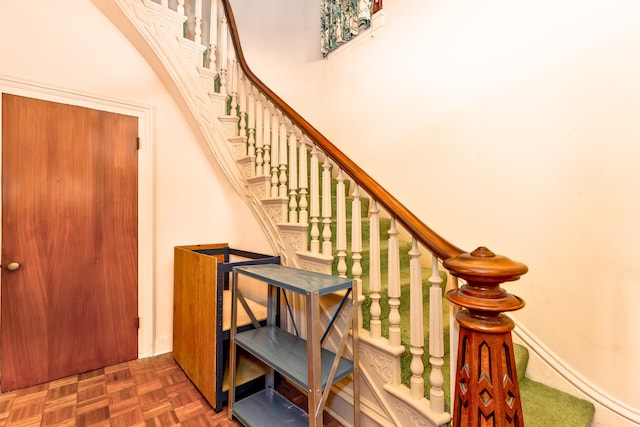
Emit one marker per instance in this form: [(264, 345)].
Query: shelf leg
[(314, 335), (272, 297), (232, 345), (355, 339)]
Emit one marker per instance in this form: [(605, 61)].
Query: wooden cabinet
[(202, 313)]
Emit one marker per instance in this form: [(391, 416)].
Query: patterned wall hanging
[(341, 20)]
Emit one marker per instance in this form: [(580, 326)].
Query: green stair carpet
[(544, 406)]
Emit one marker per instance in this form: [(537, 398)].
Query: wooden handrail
[(433, 241)]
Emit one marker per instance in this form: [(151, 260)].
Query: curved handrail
[(432, 240)]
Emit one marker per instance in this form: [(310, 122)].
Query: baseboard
[(548, 368), (163, 345)]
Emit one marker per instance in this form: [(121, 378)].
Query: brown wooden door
[(69, 219)]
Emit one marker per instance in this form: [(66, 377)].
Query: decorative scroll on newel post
[(487, 391)]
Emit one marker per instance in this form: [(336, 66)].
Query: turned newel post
[(486, 391)]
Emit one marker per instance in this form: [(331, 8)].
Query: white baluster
[(356, 245), (164, 3), (293, 176), (198, 23), (234, 88), (180, 7), (375, 280), (259, 136), (275, 153), (242, 102), (326, 208), (266, 138), (436, 339), (303, 177), (213, 34), (282, 151), (394, 286), (314, 193), (416, 321), (341, 225), (251, 128), (224, 35)]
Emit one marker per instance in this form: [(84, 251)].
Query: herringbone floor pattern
[(152, 392)]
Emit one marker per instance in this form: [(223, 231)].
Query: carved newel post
[(486, 392)]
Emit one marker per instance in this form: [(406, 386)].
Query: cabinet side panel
[(194, 317)]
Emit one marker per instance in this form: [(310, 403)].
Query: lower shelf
[(268, 408), (249, 369)]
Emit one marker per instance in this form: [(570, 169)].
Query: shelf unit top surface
[(296, 280)]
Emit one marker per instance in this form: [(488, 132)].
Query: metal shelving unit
[(307, 363)]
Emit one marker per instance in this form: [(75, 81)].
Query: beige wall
[(508, 124), (72, 46)]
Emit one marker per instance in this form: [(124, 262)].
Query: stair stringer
[(152, 29), (156, 32)]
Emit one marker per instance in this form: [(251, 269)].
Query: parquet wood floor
[(151, 392), (145, 392)]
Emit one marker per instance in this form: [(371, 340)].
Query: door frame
[(146, 250)]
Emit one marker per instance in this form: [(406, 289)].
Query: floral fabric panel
[(340, 21)]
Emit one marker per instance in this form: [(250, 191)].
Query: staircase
[(296, 182)]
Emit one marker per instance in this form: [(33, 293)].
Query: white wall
[(72, 46), (513, 125)]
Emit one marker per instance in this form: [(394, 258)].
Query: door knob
[(13, 266)]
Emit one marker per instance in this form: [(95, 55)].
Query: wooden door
[(69, 226)]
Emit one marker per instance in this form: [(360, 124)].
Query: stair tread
[(544, 406)]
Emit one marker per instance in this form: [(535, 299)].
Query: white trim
[(596, 395), (145, 185)]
